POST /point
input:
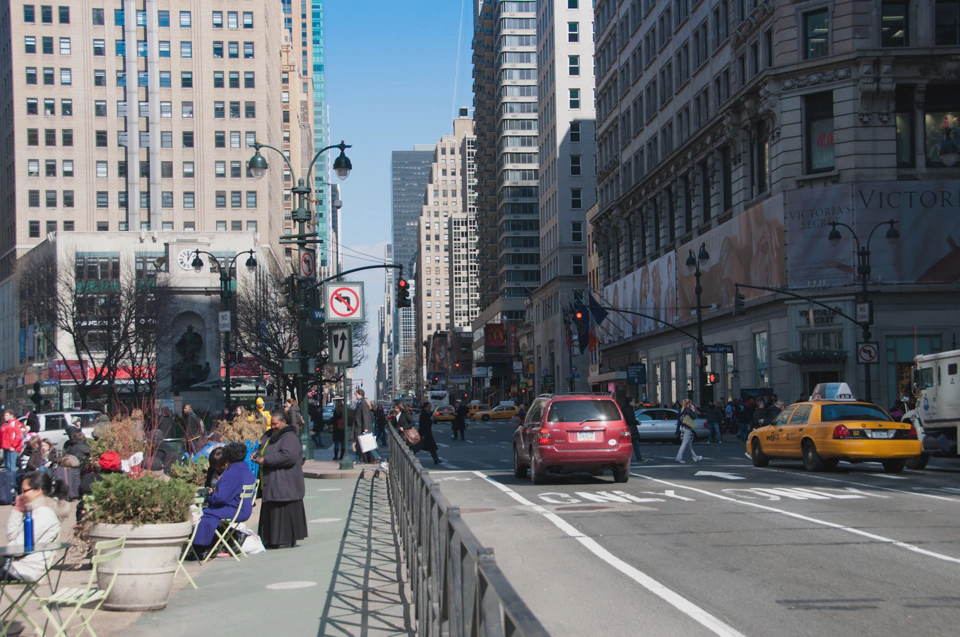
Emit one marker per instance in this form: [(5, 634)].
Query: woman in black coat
[(283, 519), (427, 443)]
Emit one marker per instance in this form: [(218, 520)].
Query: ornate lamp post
[(694, 262), (863, 269), (226, 292)]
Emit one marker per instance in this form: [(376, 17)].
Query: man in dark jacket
[(460, 422), (630, 416), (194, 430), (166, 425), (714, 416), (362, 423), (427, 443)]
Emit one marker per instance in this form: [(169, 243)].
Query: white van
[(53, 424)]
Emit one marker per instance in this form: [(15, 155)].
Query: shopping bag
[(412, 436), (367, 442)]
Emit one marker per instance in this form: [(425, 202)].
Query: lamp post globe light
[(226, 292), (694, 262), (863, 269), (302, 214)]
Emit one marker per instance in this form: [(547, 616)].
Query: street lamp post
[(694, 262), (225, 293), (302, 215), (863, 269)]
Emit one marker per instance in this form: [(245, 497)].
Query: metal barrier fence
[(458, 589)]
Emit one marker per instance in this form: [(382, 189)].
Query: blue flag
[(599, 314)]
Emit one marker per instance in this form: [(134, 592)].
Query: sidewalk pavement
[(344, 579)]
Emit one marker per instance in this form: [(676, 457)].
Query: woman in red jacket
[(11, 440)]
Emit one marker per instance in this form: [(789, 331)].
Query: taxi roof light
[(833, 391)]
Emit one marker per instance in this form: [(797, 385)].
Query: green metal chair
[(106, 551), (223, 539), (198, 501)]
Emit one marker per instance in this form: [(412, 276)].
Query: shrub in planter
[(153, 513), (193, 473)]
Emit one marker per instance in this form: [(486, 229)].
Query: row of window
[(119, 19), (104, 226)]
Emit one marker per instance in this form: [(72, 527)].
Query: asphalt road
[(717, 547)]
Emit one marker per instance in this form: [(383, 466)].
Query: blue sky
[(391, 69)]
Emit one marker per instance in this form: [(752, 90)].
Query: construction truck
[(936, 382)]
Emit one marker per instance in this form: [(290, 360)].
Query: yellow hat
[(259, 402)]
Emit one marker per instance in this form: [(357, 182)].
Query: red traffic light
[(578, 316), (402, 283)]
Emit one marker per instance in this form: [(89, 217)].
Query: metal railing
[(458, 589)]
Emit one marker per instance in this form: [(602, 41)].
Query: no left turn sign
[(308, 263), (867, 353), (343, 302)]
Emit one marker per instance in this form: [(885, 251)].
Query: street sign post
[(341, 345), (308, 264), (224, 320), (718, 348), (343, 301)]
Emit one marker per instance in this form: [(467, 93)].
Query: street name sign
[(718, 348)]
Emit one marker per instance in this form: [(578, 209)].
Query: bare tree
[(85, 310)]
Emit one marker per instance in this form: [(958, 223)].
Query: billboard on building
[(927, 216), (650, 290), (748, 249), (494, 335)]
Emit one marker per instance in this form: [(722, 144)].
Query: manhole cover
[(480, 510), (583, 508)]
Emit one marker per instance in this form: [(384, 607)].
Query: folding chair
[(197, 501), (106, 551), (248, 493)]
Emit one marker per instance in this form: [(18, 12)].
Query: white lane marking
[(872, 536), (682, 604), (885, 475), (815, 476), (440, 444), (719, 474), (285, 586), (506, 461), (325, 520)]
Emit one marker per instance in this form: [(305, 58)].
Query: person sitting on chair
[(37, 491), (223, 503)]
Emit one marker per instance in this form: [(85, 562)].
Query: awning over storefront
[(814, 357)]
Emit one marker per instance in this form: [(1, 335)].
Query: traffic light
[(711, 378), (578, 319), (740, 307), (288, 292), (403, 293)]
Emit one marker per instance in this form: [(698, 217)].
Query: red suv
[(568, 433)]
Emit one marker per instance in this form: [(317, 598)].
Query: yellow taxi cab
[(831, 427), (444, 413), (500, 412), (474, 408)]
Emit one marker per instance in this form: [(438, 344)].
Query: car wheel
[(519, 471), (811, 459), (893, 466), (830, 465), (756, 454), (536, 477), (919, 462), (621, 474), (485, 418)]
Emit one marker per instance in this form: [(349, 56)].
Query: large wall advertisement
[(927, 216), (651, 290), (748, 249)]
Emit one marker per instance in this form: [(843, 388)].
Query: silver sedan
[(660, 423)]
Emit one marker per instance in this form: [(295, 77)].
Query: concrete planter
[(148, 564)]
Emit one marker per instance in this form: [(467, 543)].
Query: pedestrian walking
[(380, 423), (166, 423), (338, 430), (316, 418), (283, 519), (427, 443), (714, 416), (460, 421), (745, 417), (11, 440), (194, 430), (293, 413), (630, 417), (759, 415), (686, 424), (362, 423)]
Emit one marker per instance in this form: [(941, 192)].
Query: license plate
[(585, 435), (880, 434)]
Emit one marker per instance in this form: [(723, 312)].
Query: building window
[(573, 65), (573, 31), (819, 131), (33, 106), (816, 27), (232, 22), (248, 79), (188, 139), (51, 198), (188, 199), (185, 21), (50, 168), (64, 46), (574, 98), (900, 353), (761, 357), (68, 168), (30, 44), (186, 110), (575, 166), (576, 231), (250, 110), (29, 13), (33, 167), (947, 23), (188, 169), (166, 139), (218, 79), (234, 79), (33, 137), (218, 19), (578, 265), (218, 49), (219, 139), (221, 199), (99, 48), (576, 198), (186, 49), (761, 158), (163, 19), (940, 114), (219, 169), (102, 170), (66, 76), (251, 199), (248, 19), (233, 50), (164, 48), (186, 79), (219, 112), (236, 199), (893, 24), (46, 45), (248, 50), (34, 229), (235, 170), (165, 79), (103, 226)]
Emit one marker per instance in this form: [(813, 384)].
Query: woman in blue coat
[(223, 503)]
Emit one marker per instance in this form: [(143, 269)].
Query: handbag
[(367, 442), (412, 436), (688, 422)]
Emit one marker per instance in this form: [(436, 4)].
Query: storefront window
[(760, 359), (941, 117), (900, 353)]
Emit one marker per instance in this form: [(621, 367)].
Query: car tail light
[(544, 438), (625, 434), (840, 431), (912, 433)]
